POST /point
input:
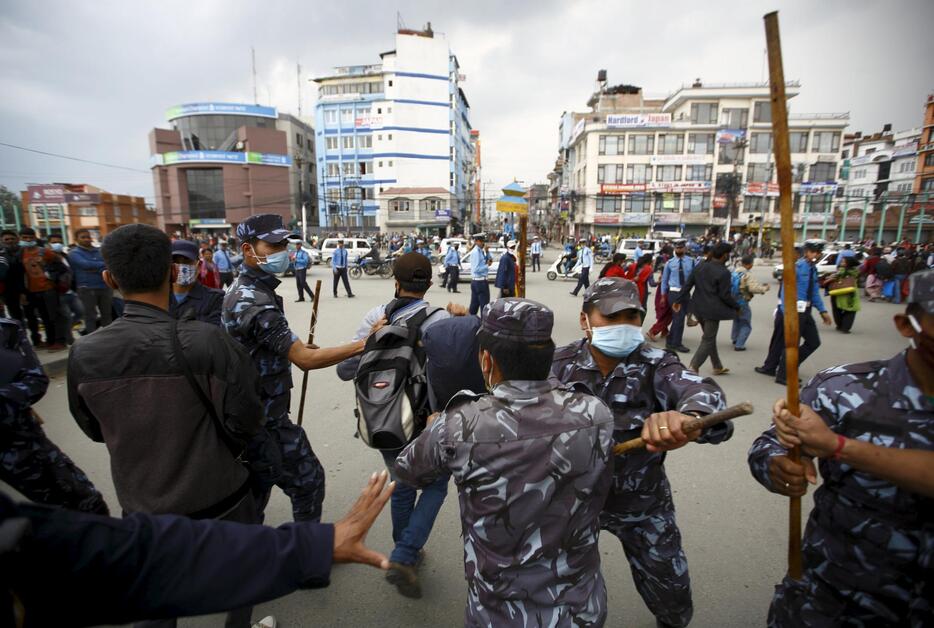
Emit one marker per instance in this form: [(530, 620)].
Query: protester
[(96, 297), (339, 268), (480, 261), (62, 277), (145, 567), (41, 294), (253, 315), (529, 526), (300, 263), (586, 261), (867, 545), (869, 269), (845, 306), (14, 281), (191, 300), (178, 455), (224, 264), (808, 297), (208, 276), (643, 276), (712, 302), (536, 250), (651, 394), (30, 462), (901, 268), (506, 272), (676, 274), (745, 287), (452, 268), (615, 267)]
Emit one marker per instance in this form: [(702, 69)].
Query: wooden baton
[(311, 338), (740, 409)]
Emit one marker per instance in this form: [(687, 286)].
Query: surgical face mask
[(187, 274), (616, 341), (58, 247), (275, 263), (27, 244)]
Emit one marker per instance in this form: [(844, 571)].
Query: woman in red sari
[(615, 267), (644, 276), (208, 275)]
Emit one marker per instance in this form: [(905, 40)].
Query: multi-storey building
[(401, 124), (924, 177), (63, 208), (698, 158), (222, 162)]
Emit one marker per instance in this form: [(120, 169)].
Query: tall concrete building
[(700, 157), (393, 140), (222, 162), (924, 178)]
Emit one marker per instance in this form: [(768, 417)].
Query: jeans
[(72, 310), (96, 300), (583, 281), (708, 346), (479, 295), (742, 327), (897, 296), (536, 262), (412, 519), (676, 334)]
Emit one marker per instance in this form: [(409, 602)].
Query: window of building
[(611, 145), (388, 109), (704, 113), (927, 185), (117, 213), (762, 111), (347, 142), (908, 165), (400, 205), (668, 173), (798, 141), (348, 168), (389, 163), (697, 203), (823, 171), (333, 194), (817, 203), (730, 153), (760, 143), (669, 144), (641, 144), (333, 170), (825, 142), (797, 173), (637, 203), (699, 173), (366, 167), (701, 143), (330, 116), (205, 193), (330, 143), (757, 204), (389, 136), (390, 82), (734, 118), (364, 141), (89, 211), (299, 139), (346, 116), (610, 173), (380, 164), (667, 202), (758, 173), (638, 173), (430, 204), (929, 160), (609, 204)]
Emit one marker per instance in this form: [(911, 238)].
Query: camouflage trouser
[(652, 543), (37, 468), (302, 474)]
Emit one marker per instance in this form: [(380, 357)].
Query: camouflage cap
[(518, 320), (266, 227), (921, 290), (611, 295)]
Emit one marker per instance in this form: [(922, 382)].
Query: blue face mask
[(616, 341), (275, 263), (58, 247), (28, 244)]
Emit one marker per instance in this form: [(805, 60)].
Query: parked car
[(464, 277), (826, 264), (355, 248), (628, 246)]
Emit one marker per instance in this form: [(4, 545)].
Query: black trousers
[(807, 327), (47, 306), (536, 262), (341, 273), (583, 281), (843, 319), (451, 278), (301, 283), (227, 278)]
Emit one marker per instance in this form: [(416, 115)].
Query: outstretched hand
[(350, 532)]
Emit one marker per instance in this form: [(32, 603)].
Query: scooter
[(557, 269), (370, 266)]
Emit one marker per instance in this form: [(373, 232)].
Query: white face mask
[(186, 274)]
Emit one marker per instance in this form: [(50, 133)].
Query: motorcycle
[(369, 266), (557, 269)]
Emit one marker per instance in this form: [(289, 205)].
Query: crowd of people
[(190, 387)]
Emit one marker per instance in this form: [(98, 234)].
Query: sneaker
[(405, 578), (266, 622), (735, 348), (764, 371), (682, 349)]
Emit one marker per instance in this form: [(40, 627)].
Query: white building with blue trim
[(401, 124)]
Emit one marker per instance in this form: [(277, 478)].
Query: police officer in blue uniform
[(253, 314), (190, 299)]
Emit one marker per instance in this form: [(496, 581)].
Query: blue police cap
[(185, 248), (266, 227)]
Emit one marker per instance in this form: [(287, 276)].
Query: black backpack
[(391, 383)]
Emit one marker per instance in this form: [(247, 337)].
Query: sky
[(91, 79)]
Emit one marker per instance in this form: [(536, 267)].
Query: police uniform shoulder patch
[(461, 397)]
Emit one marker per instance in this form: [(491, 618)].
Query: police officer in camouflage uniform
[(29, 461), (868, 549), (651, 393), (253, 314), (531, 463)]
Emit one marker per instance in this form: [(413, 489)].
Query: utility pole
[(739, 146), (253, 55), (298, 74)]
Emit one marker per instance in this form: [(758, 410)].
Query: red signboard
[(621, 188), (606, 219)]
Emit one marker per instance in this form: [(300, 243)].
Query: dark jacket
[(148, 567), (201, 304), (712, 299), (506, 273), (87, 265), (126, 389)]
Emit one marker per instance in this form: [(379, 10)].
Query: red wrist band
[(841, 441)]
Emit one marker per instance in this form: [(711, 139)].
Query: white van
[(628, 246), (355, 248)]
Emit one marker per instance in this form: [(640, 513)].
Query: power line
[(87, 161)]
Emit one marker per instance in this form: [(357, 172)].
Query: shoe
[(335, 295), (721, 371), (266, 622), (299, 300), (782, 381), (56, 347), (764, 371), (682, 349), (350, 296), (456, 291), (405, 578), (573, 294), (735, 348)]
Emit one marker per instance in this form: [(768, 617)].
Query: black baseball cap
[(412, 268), (185, 248), (265, 227)]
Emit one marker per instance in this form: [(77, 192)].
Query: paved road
[(734, 531)]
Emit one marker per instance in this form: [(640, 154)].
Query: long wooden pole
[(523, 239), (743, 409), (311, 338), (789, 258)]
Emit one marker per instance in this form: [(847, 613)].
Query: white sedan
[(464, 276)]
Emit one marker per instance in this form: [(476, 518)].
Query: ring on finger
[(787, 484), (662, 427)]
